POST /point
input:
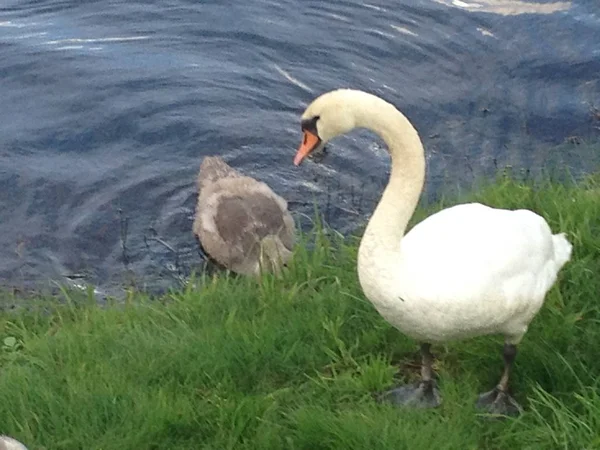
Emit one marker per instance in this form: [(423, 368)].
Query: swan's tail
[(562, 249)]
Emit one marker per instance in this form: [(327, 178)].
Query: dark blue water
[(107, 108)]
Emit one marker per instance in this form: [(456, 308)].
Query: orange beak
[(309, 143)]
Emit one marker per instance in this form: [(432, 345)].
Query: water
[(108, 108)]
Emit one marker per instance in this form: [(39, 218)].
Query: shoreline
[(294, 362)]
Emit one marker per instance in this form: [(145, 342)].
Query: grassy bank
[(293, 363)]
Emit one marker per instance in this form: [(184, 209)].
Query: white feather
[(469, 270), (465, 271)]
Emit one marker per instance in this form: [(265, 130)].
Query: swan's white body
[(465, 271), (468, 270)]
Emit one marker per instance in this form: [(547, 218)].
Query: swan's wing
[(242, 221), (471, 250), (287, 233), (234, 214)]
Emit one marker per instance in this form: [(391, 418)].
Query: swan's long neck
[(400, 197)]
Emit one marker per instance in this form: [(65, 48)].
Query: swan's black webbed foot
[(421, 395), (498, 402), (424, 394)]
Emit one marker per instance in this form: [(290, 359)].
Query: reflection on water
[(509, 7)]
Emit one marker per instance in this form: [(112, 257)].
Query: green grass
[(232, 363)]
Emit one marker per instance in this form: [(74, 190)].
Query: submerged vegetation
[(294, 363)]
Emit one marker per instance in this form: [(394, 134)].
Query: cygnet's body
[(240, 222)]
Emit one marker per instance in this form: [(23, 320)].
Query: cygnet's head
[(212, 169)]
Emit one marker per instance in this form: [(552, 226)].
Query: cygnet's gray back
[(235, 213)]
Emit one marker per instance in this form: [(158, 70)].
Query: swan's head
[(328, 116)]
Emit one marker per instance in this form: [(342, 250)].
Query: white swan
[(466, 271)]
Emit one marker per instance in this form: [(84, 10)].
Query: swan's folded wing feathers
[(286, 231), (243, 221), (264, 189), (473, 244), (235, 212)]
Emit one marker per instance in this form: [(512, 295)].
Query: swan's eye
[(310, 125)]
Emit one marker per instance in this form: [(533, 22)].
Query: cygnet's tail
[(562, 249)]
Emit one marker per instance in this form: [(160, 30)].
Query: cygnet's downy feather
[(240, 222)]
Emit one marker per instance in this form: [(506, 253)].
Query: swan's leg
[(498, 400), (422, 395)]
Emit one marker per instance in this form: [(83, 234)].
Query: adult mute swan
[(240, 222), (466, 271)]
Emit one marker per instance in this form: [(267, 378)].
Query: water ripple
[(109, 107)]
